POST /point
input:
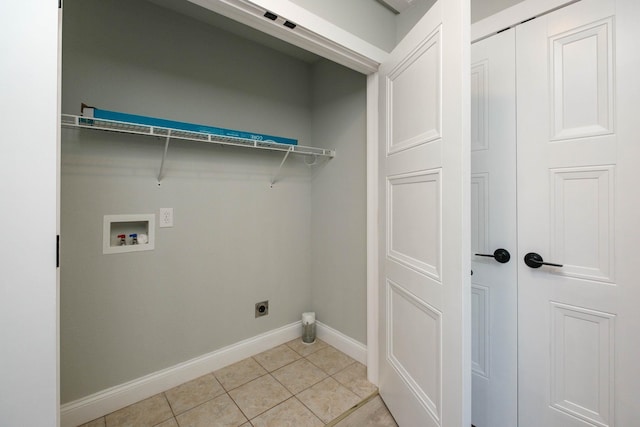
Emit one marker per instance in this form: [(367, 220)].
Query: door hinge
[(58, 251)]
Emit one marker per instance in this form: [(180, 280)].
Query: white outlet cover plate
[(166, 217)]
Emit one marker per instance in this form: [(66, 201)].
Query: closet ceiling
[(208, 17)]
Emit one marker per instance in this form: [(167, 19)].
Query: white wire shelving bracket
[(80, 122)]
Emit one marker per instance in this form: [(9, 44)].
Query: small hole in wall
[(289, 24)]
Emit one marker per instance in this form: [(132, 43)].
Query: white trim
[(58, 188), (398, 6), (104, 402), (342, 342), (372, 228), (514, 15), (312, 33)]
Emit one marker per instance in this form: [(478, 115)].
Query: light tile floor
[(292, 385), (374, 413)]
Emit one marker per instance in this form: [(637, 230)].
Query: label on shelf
[(96, 113)]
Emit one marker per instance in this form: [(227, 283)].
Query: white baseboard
[(104, 402), (342, 342)]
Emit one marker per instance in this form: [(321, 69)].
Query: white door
[(424, 281), (28, 291), (578, 206), (494, 283)]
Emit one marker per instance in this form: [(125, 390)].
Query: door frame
[(320, 36)]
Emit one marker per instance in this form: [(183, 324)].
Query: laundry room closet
[(244, 231)]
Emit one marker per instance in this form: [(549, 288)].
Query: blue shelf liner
[(171, 124)]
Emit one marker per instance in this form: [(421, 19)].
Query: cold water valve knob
[(134, 238)]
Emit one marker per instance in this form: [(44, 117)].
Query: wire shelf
[(81, 122), (73, 121)]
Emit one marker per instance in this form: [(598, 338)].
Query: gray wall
[(410, 17), (338, 200), (236, 241)]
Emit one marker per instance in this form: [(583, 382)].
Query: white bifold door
[(424, 222), (578, 207), (494, 282), (578, 214)]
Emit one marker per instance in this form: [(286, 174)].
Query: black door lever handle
[(534, 260), (501, 255)]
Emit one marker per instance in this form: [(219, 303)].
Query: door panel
[(417, 78), (577, 179), (414, 217), (423, 212), (581, 68), (493, 226), (413, 359), (582, 221), (582, 362)]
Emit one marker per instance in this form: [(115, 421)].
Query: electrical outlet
[(262, 308), (166, 217)]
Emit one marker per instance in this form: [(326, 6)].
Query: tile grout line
[(296, 394), (307, 406), (243, 384), (286, 364), (164, 393), (306, 388), (293, 395), (309, 409), (170, 409), (328, 376), (302, 357), (240, 409), (175, 415), (331, 375), (268, 409), (236, 403), (280, 382)]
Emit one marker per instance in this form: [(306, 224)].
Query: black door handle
[(534, 260), (501, 255)]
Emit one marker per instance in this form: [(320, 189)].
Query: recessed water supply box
[(128, 233)]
